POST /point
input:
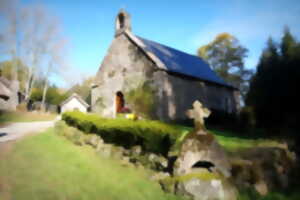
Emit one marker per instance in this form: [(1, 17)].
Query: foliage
[(142, 100), (36, 94), (83, 89), (54, 96), (273, 89), (6, 68), (33, 35), (153, 136), (246, 120), (226, 56), (250, 194), (47, 166)]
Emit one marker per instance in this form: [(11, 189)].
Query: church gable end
[(124, 69), (136, 75)]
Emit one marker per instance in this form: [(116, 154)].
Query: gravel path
[(17, 130)]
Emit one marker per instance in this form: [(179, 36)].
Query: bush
[(153, 136), (246, 119), (250, 194)]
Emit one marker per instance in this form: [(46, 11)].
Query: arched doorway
[(120, 102)]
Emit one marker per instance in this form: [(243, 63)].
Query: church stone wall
[(176, 95), (126, 68), (123, 69)]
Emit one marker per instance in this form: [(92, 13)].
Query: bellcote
[(122, 22)]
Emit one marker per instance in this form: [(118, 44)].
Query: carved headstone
[(200, 153), (198, 113)]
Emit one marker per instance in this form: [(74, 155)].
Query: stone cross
[(198, 113)]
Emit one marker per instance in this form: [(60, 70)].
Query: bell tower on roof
[(122, 22)]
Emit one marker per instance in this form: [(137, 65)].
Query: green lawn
[(18, 116), (47, 166), (233, 142)]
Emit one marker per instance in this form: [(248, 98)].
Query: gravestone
[(201, 156), (201, 146), (198, 113)]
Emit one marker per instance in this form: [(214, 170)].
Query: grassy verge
[(152, 136), (156, 136), (18, 116), (47, 166), (233, 142)]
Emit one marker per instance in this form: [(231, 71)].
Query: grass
[(233, 142), (47, 166), (153, 133), (18, 116)]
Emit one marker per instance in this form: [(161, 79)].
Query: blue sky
[(184, 25)]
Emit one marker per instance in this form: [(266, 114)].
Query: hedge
[(152, 136)]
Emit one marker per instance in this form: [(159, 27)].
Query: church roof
[(182, 63)]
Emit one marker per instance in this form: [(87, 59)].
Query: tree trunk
[(44, 95), (46, 86)]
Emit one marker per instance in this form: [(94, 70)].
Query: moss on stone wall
[(111, 73), (142, 100), (170, 183), (99, 103)]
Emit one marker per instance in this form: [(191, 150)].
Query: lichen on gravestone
[(201, 153), (200, 145), (198, 113)]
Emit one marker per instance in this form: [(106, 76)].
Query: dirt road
[(15, 131)]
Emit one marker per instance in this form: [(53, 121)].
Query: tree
[(22, 72), (226, 57), (55, 52), (42, 36), (31, 34), (54, 95), (262, 92), (273, 88), (83, 89), (9, 35)]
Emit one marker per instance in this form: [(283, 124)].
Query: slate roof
[(183, 63)]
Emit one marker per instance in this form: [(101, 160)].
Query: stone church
[(155, 81)]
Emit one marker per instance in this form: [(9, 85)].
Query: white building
[(74, 102)]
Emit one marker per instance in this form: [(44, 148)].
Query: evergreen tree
[(273, 89)]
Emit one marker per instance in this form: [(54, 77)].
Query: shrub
[(246, 120), (153, 136), (142, 100)]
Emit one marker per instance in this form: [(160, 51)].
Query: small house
[(74, 102)]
